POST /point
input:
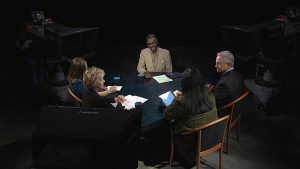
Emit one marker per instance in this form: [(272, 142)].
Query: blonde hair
[(92, 76)]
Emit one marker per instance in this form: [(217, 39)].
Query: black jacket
[(91, 99), (229, 87)]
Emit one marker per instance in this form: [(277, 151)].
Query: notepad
[(162, 78), (167, 98)]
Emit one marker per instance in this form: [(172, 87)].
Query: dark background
[(176, 23), (190, 29)]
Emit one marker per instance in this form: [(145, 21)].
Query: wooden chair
[(210, 139), (235, 116), (76, 100)]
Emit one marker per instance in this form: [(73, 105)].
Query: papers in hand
[(117, 87), (162, 78), (167, 98), (130, 101)]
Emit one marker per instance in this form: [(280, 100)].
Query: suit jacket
[(164, 61), (91, 99), (229, 87)]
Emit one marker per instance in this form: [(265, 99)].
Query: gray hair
[(227, 57), (92, 76)]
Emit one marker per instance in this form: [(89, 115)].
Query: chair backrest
[(231, 107), (211, 135), (77, 101)]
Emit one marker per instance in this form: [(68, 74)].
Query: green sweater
[(181, 119)]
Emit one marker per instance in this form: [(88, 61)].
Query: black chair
[(77, 138), (210, 139)]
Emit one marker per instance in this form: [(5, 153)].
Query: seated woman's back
[(77, 67), (192, 108)]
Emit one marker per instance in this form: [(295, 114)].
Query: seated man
[(153, 58), (231, 84)]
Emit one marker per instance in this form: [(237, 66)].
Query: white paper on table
[(130, 101), (117, 87), (162, 78)]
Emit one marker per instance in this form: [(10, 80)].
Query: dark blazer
[(91, 99), (229, 87)]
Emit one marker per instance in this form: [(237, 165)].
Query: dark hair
[(195, 94), (77, 67), (150, 36)]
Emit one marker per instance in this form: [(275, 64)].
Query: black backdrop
[(191, 22)]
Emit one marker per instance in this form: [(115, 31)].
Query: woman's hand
[(210, 87), (112, 89), (120, 99), (105, 91)]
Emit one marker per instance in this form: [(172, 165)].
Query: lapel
[(156, 69)]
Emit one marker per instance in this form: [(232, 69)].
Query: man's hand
[(147, 74)]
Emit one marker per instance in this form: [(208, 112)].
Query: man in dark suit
[(231, 84)]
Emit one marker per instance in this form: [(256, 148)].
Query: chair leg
[(198, 162), (220, 157), (171, 152), (238, 129), (227, 140)]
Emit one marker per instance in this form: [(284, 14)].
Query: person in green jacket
[(193, 107)]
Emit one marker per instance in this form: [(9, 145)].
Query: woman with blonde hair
[(93, 80)]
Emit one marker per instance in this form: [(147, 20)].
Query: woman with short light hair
[(93, 81)]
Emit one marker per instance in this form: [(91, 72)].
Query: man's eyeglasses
[(152, 43)]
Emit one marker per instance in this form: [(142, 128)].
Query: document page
[(162, 78)]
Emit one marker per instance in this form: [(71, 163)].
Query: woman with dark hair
[(192, 108), (77, 67)]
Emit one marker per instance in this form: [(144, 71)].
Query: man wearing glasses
[(154, 58)]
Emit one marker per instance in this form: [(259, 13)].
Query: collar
[(228, 70)]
